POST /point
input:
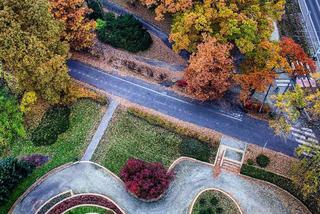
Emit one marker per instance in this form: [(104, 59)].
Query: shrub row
[(12, 172), (84, 199), (52, 202), (145, 180), (124, 32), (55, 122), (167, 124), (285, 183)]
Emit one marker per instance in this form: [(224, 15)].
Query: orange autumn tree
[(209, 72), (259, 69), (79, 31), (302, 64)]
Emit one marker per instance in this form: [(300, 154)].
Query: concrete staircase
[(231, 166)]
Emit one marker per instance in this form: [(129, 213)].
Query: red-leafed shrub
[(145, 180), (182, 83)]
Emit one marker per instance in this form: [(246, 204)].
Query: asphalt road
[(229, 122), (314, 8)]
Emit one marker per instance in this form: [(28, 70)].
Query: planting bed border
[(214, 189), (47, 206), (97, 200), (88, 205)]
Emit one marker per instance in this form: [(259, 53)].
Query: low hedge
[(124, 32), (55, 122), (282, 182), (167, 124), (193, 148)]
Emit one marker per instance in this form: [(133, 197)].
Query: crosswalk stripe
[(308, 133)]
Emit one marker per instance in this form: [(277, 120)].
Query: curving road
[(229, 122), (191, 177)]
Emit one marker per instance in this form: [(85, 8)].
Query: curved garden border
[(116, 209), (172, 166), (214, 189)]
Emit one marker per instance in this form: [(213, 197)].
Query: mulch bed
[(84, 199)]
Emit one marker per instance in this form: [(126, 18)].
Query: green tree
[(30, 48), (11, 120), (306, 173)]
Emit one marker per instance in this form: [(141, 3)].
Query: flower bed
[(84, 199)]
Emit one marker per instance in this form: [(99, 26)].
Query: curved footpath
[(191, 177)]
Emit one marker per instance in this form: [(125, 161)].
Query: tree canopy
[(245, 23), (209, 73), (79, 30), (31, 50)]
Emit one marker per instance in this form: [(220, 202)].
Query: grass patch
[(89, 209), (132, 137), (214, 202), (282, 182), (84, 116)]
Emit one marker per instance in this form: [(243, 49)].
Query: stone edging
[(277, 187), (37, 182), (215, 189), (89, 205), (82, 194)]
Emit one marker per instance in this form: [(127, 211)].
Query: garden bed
[(279, 163), (84, 117), (86, 199), (211, 201), (129, 136), (89, 209)]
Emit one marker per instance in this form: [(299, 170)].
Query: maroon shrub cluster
[(84, 199), (182, 83), (36, 159), (145, 180)]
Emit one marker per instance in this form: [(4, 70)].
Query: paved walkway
[(100, 131), (191, 178)]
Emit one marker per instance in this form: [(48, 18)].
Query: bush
[(282, 182), (36, 160), (12, 172), (97, 9), (145, 180), (250, 162), (195, 149), (55, 122), (262, 160), (123, 32)]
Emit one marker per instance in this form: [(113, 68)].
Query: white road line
[(159, 93), (308, 133)]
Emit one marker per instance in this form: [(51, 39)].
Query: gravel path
[(191, 177), (100, 130)]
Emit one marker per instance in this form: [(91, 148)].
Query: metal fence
[(311, 30)]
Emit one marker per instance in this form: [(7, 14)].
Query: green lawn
[(131, 137), (89, 209), (84, 117), (214, 202)]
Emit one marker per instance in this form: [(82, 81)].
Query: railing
[(311, 30)]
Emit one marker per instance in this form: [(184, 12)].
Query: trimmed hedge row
[(282, 182)]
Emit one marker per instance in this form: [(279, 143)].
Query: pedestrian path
[(100, 131), (191, 177), (304, 136)]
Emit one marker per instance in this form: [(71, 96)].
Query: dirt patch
[(125, 63), (279, 163)]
